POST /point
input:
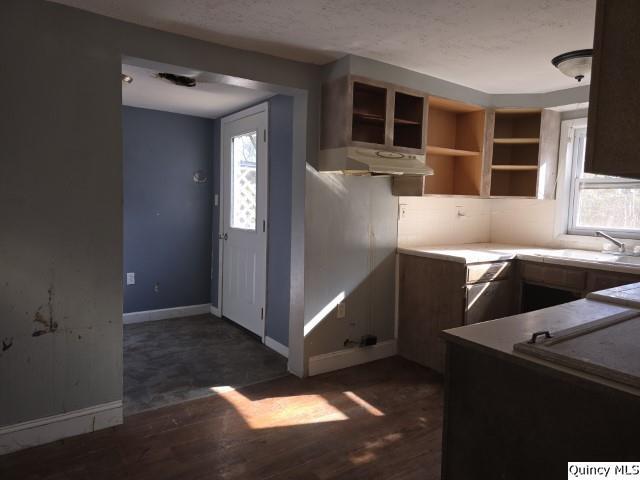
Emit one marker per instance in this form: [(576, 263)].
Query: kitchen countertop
[(499, 336), (471, 253), (625, 295)]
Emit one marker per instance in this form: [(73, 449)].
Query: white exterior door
[(244, 217)]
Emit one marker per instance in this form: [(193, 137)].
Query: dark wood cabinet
[(509, 419), (613, 141), (439, 294)]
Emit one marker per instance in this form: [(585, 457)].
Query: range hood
[(363, 161)]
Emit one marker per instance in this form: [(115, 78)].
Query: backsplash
[(518, 221), (443, 220)]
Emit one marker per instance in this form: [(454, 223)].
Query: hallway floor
[(381, 420), (171, 361)]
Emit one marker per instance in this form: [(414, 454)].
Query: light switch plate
[(131, 278), (342, 310)]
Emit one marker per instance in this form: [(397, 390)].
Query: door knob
[(222, 236)]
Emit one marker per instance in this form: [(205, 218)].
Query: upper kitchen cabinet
[(386, 120), (613, 142), (371, 127), (525, 152), (455, 147), (456, 140)]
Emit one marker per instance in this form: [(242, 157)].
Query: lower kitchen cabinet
[(439, 294), (489, 300)]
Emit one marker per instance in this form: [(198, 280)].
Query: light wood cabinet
[(525, 152), (509, 152), (612, 133), (456, 139)]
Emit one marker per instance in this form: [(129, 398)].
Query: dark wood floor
[(382, 420)]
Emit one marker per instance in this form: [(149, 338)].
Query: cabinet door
[(612, 134), (488, 301), (601, 280), (431, 299)]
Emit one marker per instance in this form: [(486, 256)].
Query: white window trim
[(569, 163)]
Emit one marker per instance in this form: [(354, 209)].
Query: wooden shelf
[(368, 117), (517, 111), (516, 141), (514, 168), (450, 152), (402, 121)]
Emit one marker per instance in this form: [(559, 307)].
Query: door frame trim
[(247, 112)]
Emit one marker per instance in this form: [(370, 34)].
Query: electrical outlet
[(342, 310), (461, 212), (156, 287), (131, 278), (402, 211), (216, 200)]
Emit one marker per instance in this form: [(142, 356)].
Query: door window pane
[(243, 181)]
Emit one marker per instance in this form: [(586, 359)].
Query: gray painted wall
[(167, 216), (573, 114), (61, 196), (435, 86), (280, 144), (351, 229)]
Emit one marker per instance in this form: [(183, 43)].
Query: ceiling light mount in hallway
[(126, 79), (575, 64), (179, 80)]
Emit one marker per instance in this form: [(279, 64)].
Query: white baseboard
[(214, 311), (49, 429), (165, 313), (328, 362), (276, 346)]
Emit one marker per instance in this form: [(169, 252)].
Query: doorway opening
[(204, 283)]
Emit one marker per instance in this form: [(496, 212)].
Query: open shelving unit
[(455, 144), (515, 160)]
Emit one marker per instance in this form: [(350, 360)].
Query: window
[(600, 202), (243, 188)]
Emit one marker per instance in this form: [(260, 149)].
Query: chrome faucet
[(621, 246)]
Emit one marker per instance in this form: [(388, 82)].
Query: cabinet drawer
[(488, 301), (486, 272), (554, 276)]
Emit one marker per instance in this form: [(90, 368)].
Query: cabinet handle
[(535, 336)]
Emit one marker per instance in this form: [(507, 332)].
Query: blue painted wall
[(215, 225), (167, 216)]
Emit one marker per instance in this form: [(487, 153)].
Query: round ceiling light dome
[(575, 64)]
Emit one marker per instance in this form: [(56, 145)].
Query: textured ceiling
[(497, 46), (206, 99)]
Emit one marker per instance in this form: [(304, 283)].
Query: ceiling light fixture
[(575, 64), (128, 79)]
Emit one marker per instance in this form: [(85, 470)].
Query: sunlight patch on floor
[(281, 411)]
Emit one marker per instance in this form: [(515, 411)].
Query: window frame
[(577, 142)]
